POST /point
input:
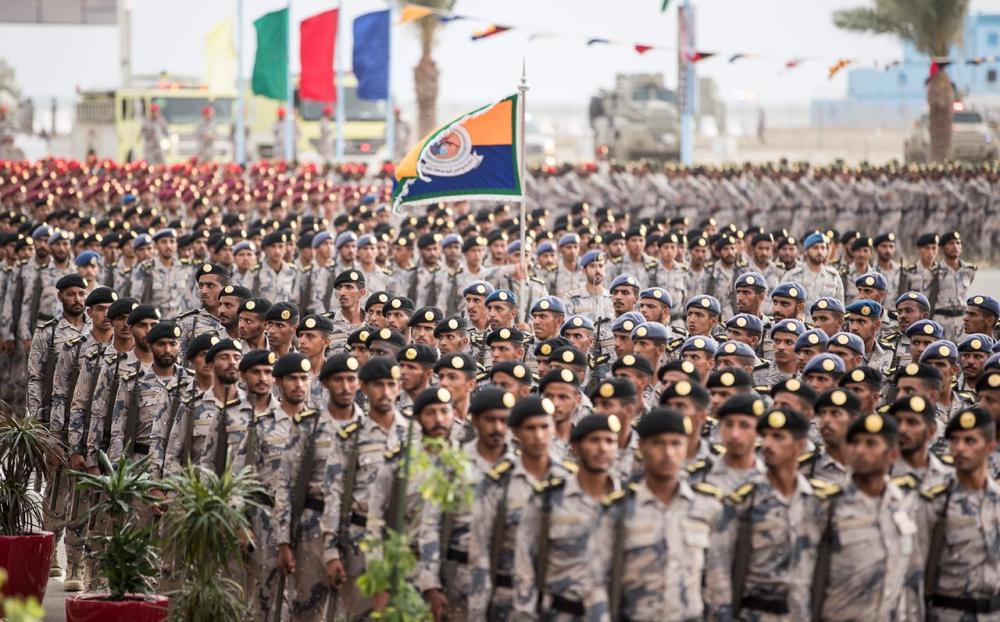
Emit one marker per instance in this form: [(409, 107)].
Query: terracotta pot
[(26, 560), (92, 608)]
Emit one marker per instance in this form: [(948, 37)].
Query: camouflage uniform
[(342, 329), (195, 428), (674, 280), (196, 322), (275, 286), (820, 468), (820, 284), (426, 287), (49, 339), (665, 547), (309, 291), (37, 285), (721, 283), (564, 281), (153, 398), (168, 288), (947, 296), (716, 472), (915, 277)]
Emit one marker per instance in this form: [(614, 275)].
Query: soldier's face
[(914, 432), (952, 249), (833, 424), (639, 379), (701, 360), (506, 351), (850, 357), (165, 352), (279, 334), (909, 312), (275, 252), (569, 253), (648, 349), (623, 344), (498, 250), (226, 365), (871, 455), (143, 253), (452, 253), (251, 326), (245, 259), (435, 420), (258, 379), (623, 299), (805, 354), (374, 317), (780, 448), (564, 397), (976, 320), (595, 272), (545, 324), (624, 409), (718, 395), (99, 316), (458, 383), (452, 342), (699, 255), (738, 434), (886, 251), (414, 376), (293, 387), (229, 309), (728, 254), (863, 255), (783, 308), (72, 299), (140, 330), (397, 320), (870, 293), (349, 296), (423, 334), (60, 250), (381, 394), (947, 369), (348, 251), (749, 299), (762, 252), (534, 435), (784, 347), (972, 365), (831, 323), (743, 336), (491, 427), (653, 311), (919, 343), (990, 400), (474, 255), (500, 314), (313, 343), (209, 287), (663, 455), (616, 248), (546, 260), (700, 322), (166, 247), (817, 253), (970, 448), (342, 387), (199, 247), (927, 253), (582, 339), (597, 451), (865, 392), (635, 246), (820, 382), (668, 252)]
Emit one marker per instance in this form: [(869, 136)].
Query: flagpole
[(522, 90), (341, 70), (390, 113), (289, 100), (240, 139)]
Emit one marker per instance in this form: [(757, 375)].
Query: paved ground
[(987, 282)]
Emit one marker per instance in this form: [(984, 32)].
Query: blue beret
[(59, 234), (478, 288), (87, 258), (502, 295), (994, 361), (545, 247), (866, 308), (848, 340), (751, 279), (704, 302), (792, 326), (41, 231), (735, 348), (812, 338), (576, 321), (451, 238), (746, 321), (242, 246), (942, 349), (367, 240), (871, 279), (658, 294), (163, 234), (590, 257), (650, 330), (825, 363), (827, 303), (141, 240), (321, 237), (986, 303), (700, 344), (916, 297), (128, 199), (976, 342), (368, 199), (513, 247), (813, 239), (552, 304), (627, 322), (569, 238), (626, 280), (344, 238), (791, 289), (929, 328)]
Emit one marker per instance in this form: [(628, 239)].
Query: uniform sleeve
[(429, 547), (60, 386), (287, 474), (377, 506), (525, 550), (97, 412), (334, 487), (116, 447), (36, 361), (77, 403)]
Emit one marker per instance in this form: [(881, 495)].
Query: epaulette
[(934, 491), (131, 375), (718, 448), (968, 395), (187, 313), (707, 489), (650, 264), (762, 389), (147, 265), (391, 454), (907, 482), (49, 323), (545, 484), (75, 341), (184, 261), (385, 271), (499, 469), (740, 493), (825, 490), (965, 264), (536, 280), (909, 267), (256, 267), (742, 264), (483, 375), (306, 268), (613, 498), (884, 409), (126, 271), (947, 459), (570, 466), (680, 330), (808, 457), (675, 343), (617, 260), (761, 365), (302, 415), (189, 399), (349, 429), (696, 466), (598, 360), (93, 354), (843, 270)]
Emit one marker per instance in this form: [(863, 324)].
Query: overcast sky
[(169, 36)]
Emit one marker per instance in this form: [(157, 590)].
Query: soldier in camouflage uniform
[(351, 290), (210, 280), (819, 279), (273, 278), (670, 274), (950, 286), (163, 281), (723, 272), (737, 425)]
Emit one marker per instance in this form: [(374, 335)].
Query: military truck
[(637, 119)]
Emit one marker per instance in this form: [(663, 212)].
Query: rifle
[(82, 448), (821, 575), (110, 406), (741, 556), (48, 377), (344, 520), (299, 494), (595, 353), (18, 296), (934, 551), (617, 566), (175, 404), (934, 289), (132, 413), (542, 560), (221, 438), (147, 287), (36, 301), (498, 537), (306, 303)]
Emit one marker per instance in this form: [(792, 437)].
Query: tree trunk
[(425, 78), (940, 98)]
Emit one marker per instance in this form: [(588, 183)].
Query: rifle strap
[(936, 547), (821, 574), (109, 406), (347, 494), (221, 438), (499, 534), (741, 556), (132, 412), (542, 562), (301, 490), (617, 562)]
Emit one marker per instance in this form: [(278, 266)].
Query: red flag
[(489, 31), (317, 39), (642, 49), (696, 57)]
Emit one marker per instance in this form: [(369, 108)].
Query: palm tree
[(425, 74), (932, 26)]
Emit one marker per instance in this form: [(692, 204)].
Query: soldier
[(591, 299), (206, 135), (764, 544), (562, 388), (866, 384), (427, 283), (818, 279), (567, 276), (973, 351), (557, 568), (422, 324), (669, 273), (350, 289), (315, 334), (722, 274), (163, 280), (356, 456), (864, 320), (639, 370), (416, 363), (617, 396), (922, 334), (376, 277), (919, 275), (861, 263), (917, 468), (885, 249), (154, 132), (252, 324), (210, 279), (231, 299), (950, 285), (737, 417), (635, 261), (452, 336), (943, 355), (281, 320), (692, 400), (981, 315), (836, 410), (865, 553), (273, 278), (957, 566), (397, 313)]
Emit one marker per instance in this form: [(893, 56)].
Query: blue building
[(896, 95)]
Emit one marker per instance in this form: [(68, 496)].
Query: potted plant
[(205, 526), (26, 447), (128, 561)]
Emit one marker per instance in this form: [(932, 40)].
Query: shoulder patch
[(75, 341), (49, 323), (947, 459), (613, 498), (906, 482), (697, 465), (303, 415), (545, 484), (391, 454), (718, 449), (825, 490), (349, 429), (740, 493), (934, 491), (498, 471), (570, 466), (808, 457), (708, 489), (187, 313)]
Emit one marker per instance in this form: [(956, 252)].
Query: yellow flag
[(413, 12), (220, 57)]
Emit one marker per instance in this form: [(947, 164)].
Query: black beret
[(418, 353), (861, 242), (340, 363), (530, 406), (515, 369), (377, 298), (163, 330), (882, 238), (614, 388), (558, 375), (430, 397), (282, 312), (875, 423), (101, 296), (458, 361), (915, 404), (143, 312), (360, 336), (315, 322), (927, 239), (749, 404), (276, 237), (838, 398), (450, 325), (222, 345), (862, 375), (212, 268), (729, 377), (291, 363), (950, 236), (350, 276), (795, 386), (544, 349), (305, 240), (389, 336), (200, 344), (253, 358), (505, 334), (685, 389), (426, 315), (236, 290), (783, 418), (256, 305), (989, 381), (71, 280), (663, 420), (969, 419), (919, 370), (633, 361), (685, 367), (491, 398), (594, 423), (569, 355), (379, 368), (398, 303), (428, 239)]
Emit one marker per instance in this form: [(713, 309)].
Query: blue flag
[(371, 55)]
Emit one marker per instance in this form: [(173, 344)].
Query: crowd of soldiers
[(667, 414)]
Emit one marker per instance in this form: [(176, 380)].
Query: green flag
[(270, 63)]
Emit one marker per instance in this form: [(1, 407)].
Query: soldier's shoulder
[(824, 489), (698, 467), (552, 484), (75, 341), (348, 430), (188, 313), (808, 457), (969, 265), (741, 493), (703, 488), (48, 323), (305, 414), (933, 492), (906, 482), (146, 265), (500, 470), (618, 496)]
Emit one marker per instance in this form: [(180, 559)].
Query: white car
[(971, 139)]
